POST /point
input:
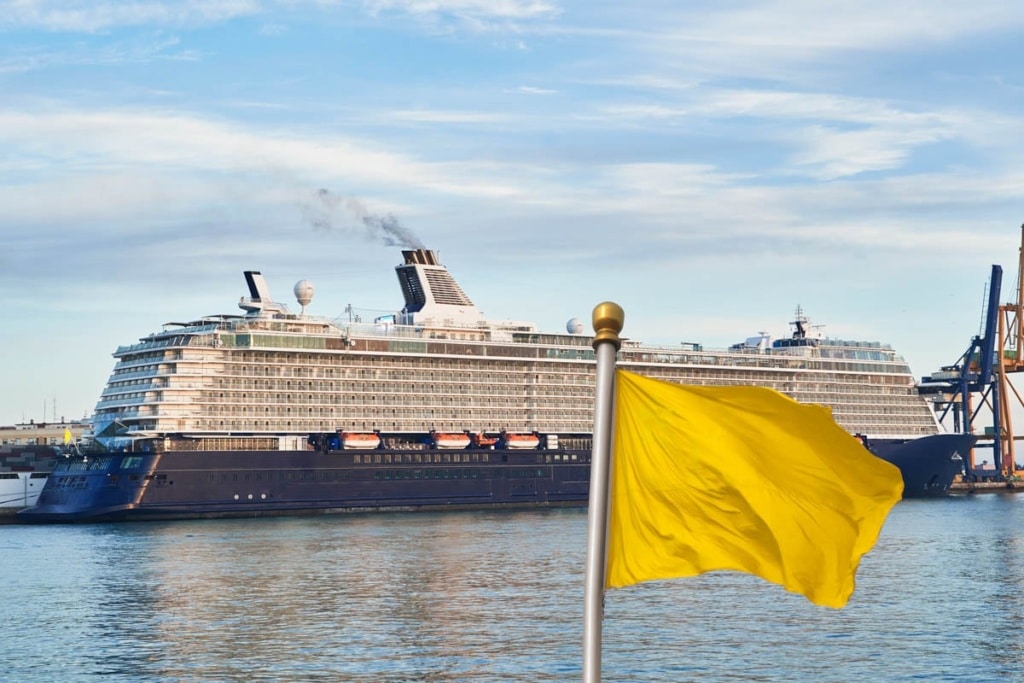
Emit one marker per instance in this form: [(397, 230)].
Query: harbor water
[(487, 596)]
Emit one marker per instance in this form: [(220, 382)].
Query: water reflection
[(492, 597)]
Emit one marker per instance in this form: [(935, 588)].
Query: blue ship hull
[(928, 464), (197, 484)]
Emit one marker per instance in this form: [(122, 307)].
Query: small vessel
[(481, 440), (445, 440), (20, 489), (359, 440), (273, 412), (23, 473), (527, 440)]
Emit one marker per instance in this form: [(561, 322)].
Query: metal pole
[(608, 319)]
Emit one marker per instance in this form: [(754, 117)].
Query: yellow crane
[(1009, 360)]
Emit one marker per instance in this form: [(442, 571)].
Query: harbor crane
[(978, 384)]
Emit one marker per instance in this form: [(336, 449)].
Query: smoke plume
[(329, 211)]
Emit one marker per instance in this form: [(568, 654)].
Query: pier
[(1009, 486)]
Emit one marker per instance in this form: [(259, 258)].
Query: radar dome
[(303, 293), (574, 326)]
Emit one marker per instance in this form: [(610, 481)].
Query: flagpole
[(608, 319)]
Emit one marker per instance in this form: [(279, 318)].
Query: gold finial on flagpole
[(608, 320)]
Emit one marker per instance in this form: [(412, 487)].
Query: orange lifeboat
[(522, 440), (363, 440), (450, 440), (481, 440)]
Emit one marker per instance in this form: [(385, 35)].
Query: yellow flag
[(740, 478), (67, 436)]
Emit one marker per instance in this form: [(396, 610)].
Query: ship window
[(357, 459), (131, 462)]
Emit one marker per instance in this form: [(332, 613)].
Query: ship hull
[(211, 484), (201, 484), (929, 464)]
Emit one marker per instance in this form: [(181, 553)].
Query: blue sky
[(708, 166)]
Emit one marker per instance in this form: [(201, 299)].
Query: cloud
[(532, 90), (801, 42), (474, 9), (125, 169), (141, 50), (837, 153), (438, 116), (91, 17), (802, 25)]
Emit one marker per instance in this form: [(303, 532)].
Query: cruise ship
[(271, 412)]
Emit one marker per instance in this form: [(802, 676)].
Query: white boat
[(20, 489), (359, 440), (452, 440), (530, 440), (24, 470)]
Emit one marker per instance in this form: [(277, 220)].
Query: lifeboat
[(525, 440), (450, 440), (481, 440), (364, 440)]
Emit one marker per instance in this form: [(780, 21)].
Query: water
[(492, 597)]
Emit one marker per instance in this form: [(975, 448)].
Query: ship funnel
[(424, 257), (432, 296), (258, 301), (258, 289)]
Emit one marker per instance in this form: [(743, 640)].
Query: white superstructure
[(438, 364)]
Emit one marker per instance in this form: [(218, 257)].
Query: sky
[(707, 166)]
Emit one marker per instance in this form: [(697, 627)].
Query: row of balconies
[(479, 420), (383, 424), (725, 360), (355, 395), (809, 392), (195, 351), (425, 408)]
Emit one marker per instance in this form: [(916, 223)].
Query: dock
[(986, 486)]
